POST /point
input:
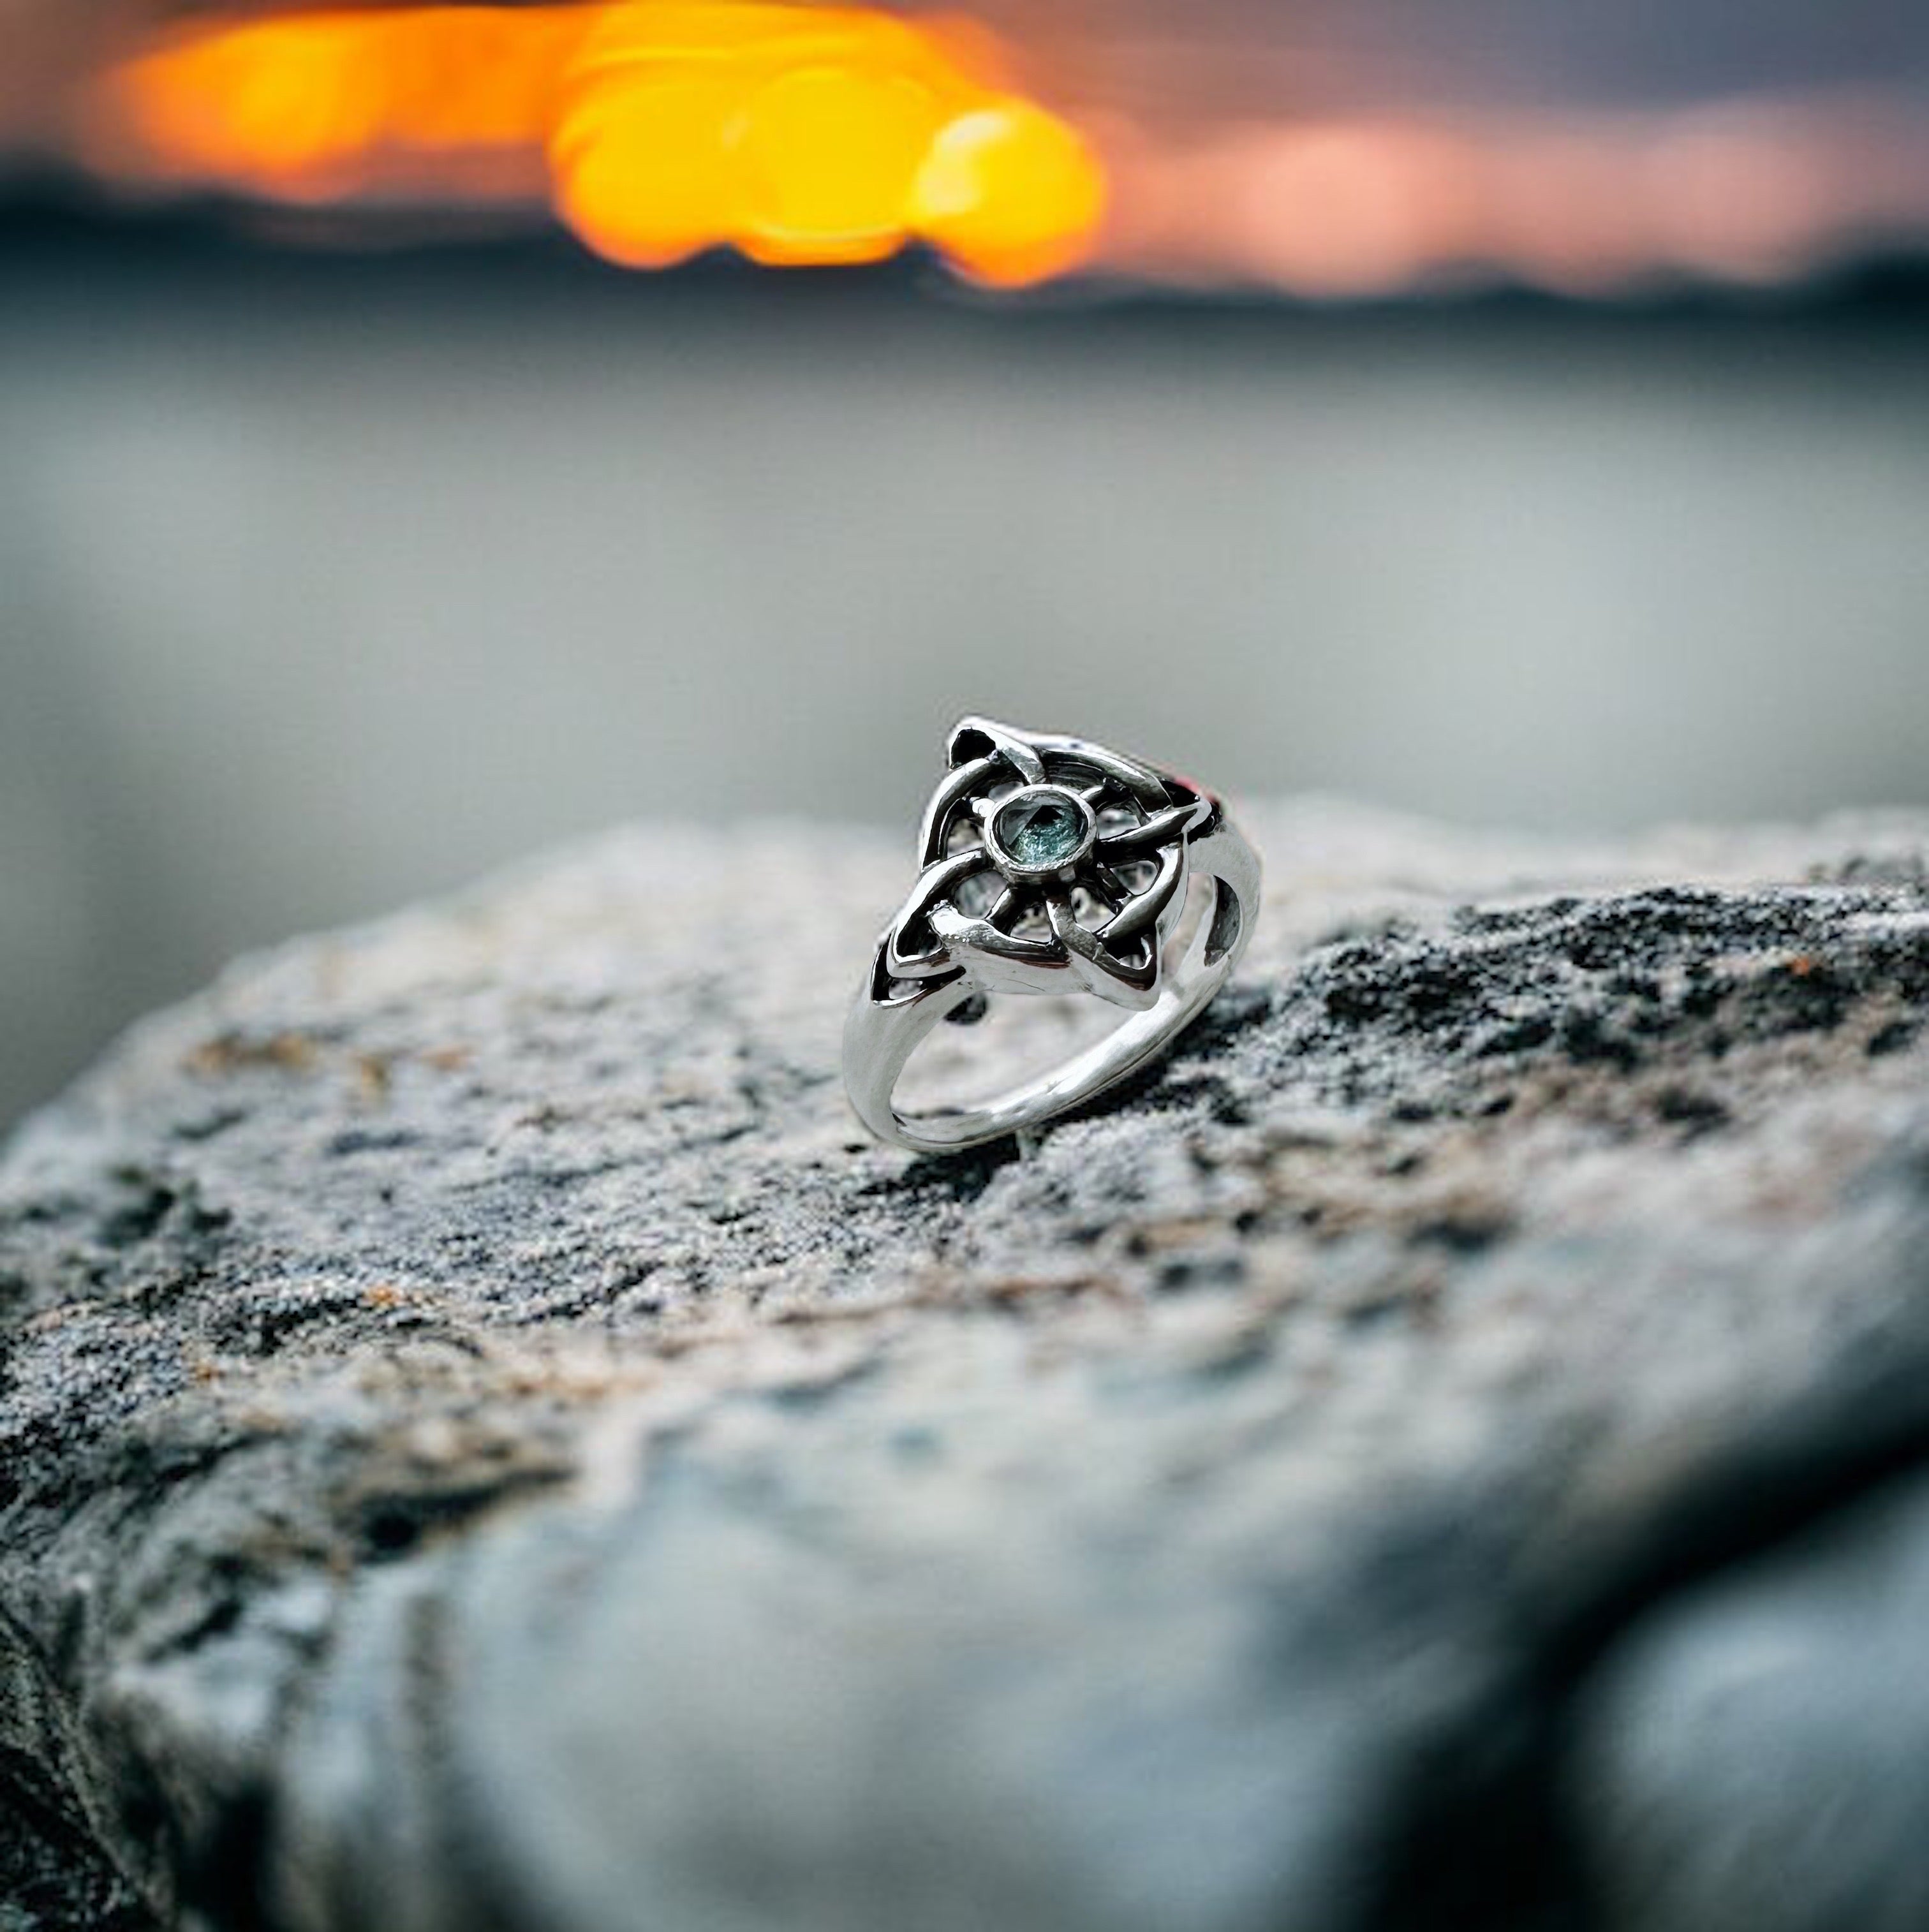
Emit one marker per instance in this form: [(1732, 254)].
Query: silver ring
[(1048, 865)]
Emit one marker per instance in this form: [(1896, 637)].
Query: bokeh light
[(795, 134)]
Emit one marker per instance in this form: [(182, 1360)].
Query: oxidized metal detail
[(1086, 903), (1049, 865)]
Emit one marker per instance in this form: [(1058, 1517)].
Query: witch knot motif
[(1049, 865)]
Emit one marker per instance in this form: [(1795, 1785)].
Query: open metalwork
[(1048, 865)]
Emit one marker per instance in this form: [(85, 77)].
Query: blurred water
[(322, 584)]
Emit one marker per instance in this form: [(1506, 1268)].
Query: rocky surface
[(484, 1444)]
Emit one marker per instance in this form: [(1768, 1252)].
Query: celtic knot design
[(1048, 865)]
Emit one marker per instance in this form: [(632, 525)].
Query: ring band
[(1048, 865)]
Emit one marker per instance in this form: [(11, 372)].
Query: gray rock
[(1752, 1756), (484, 1444)]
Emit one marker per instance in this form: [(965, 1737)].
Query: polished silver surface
[(1048, 865)]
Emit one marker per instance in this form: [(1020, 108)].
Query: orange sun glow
[(655, 128)]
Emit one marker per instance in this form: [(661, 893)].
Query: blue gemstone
[(1041, 830)]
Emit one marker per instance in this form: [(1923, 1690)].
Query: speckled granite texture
[(485, 1447)]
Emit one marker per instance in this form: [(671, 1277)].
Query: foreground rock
[(484, 1444)]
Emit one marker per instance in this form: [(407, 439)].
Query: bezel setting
[(999, 842)]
